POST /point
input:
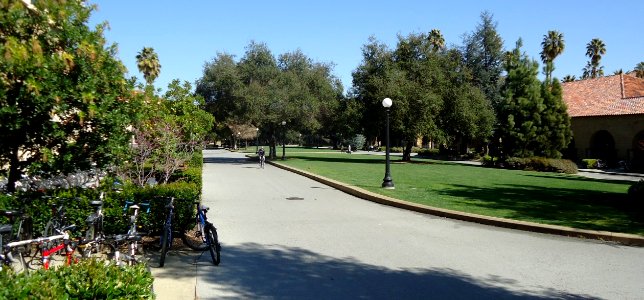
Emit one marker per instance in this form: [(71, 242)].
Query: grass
[(558, 199)]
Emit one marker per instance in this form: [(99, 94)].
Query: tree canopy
[(262, 90), (63, 94)]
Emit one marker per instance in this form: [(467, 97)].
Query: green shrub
[(395, 149), (589, 163), (427, 152), (541, 164), (489, 161), (89, 279), (636, 193)]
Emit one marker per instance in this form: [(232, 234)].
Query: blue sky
[(187, 34)]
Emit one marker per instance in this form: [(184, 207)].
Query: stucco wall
[(623, 129)]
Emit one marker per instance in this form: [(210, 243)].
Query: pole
[(387, 182)]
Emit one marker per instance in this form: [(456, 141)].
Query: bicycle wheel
[(213, 244), (166, 238), (194, 237), (50, 228)]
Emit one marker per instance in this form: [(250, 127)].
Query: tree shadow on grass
[(584, 209), (254, 271)]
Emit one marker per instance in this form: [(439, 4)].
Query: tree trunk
[(407, 151), (14, 171)]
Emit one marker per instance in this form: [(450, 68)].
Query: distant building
[(607, 118)]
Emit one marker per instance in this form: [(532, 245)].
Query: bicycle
[(131, 239), (166, 234), (22, 223), (94, 235), (203, 235), (46, 250), (262, 161), (58, 218)]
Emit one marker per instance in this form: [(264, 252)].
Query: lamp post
[(237, 141), (283, 139), (256, 140), (387, 182)]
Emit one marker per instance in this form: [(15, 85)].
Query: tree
[(569, 78), (432, 94), (64, 100), (263, 91), (553, 45), (594, 50), (171, 129), (555, 133), (533, 119), (483, 55), (520, 117), (436, 40), (148, 63), (639, 70)]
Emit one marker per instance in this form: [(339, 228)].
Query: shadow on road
[(228, 160), (253, 271)]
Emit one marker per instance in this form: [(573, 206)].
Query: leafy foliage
[(63, 96), (264, 91), (147, 61), (533, 119), (483, 55), (89, 279)]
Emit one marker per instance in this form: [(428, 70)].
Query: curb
[(622, 238)]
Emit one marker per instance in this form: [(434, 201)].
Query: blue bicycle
[(203, 235)]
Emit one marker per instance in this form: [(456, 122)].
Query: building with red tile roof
[(607, 117)]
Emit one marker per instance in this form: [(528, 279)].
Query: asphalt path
[(289, 237)]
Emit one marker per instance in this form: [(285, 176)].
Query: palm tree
[(148, 63), (436, 40), (553, 45), (639, 70), (594, 50), (569, 78)]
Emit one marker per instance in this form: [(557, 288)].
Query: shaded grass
[(550, 198)]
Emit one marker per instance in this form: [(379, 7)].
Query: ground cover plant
[(550, 198)]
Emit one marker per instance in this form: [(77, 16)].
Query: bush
[(89, 279), (593, 163), (636, 193), (541, 164), (427, 152)]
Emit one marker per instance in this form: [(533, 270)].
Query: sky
[(187, 34)]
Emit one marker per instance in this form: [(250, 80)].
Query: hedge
[(89, 279)]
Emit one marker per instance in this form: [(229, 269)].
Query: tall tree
[(594, 50), (639, 70), (436, 40), (148, 63), (264, 91), (552, 46), (555, 133), (533, 119), (483, 55), (64, 100), (520, 116)]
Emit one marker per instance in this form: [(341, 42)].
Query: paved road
[(288, 237)]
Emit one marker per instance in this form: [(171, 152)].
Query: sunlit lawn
[(567, 200)]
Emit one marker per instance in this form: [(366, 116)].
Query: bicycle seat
[(10, 213), (5, 228), (125, 237), (96, 203)]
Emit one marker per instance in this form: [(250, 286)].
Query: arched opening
[(638, 152), (602, 146)]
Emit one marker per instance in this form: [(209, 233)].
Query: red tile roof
[(605, 96)]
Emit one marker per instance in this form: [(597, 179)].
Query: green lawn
[(559, 199)]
